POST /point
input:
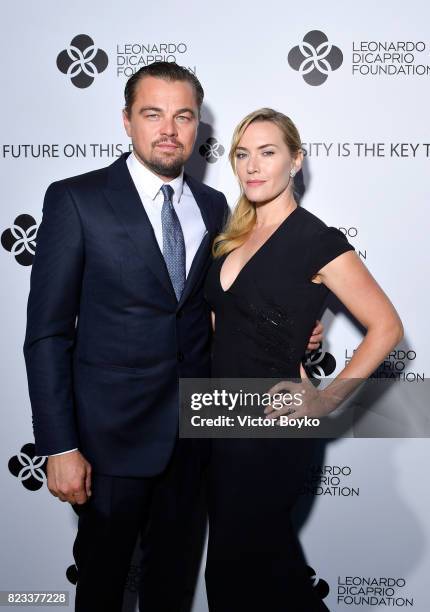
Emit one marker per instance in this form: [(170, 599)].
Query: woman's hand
[(306, 399)]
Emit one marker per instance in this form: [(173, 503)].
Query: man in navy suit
[(116, 316)]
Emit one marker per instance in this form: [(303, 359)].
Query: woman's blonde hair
[(243, 217)]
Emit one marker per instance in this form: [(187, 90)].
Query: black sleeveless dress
[(262, 326)]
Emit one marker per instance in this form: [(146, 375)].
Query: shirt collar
[(148, 182)]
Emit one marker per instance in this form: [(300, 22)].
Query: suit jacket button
[(179, 314), (180, 356)]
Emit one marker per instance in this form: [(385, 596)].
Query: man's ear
[(126, 121)]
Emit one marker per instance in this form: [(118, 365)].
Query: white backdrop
[(367, 139)]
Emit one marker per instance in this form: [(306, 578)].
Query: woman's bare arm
[(351, 282), (348, 278)]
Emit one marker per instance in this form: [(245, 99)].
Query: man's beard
[(166, 166)]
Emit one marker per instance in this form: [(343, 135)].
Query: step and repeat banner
[(355, 79)]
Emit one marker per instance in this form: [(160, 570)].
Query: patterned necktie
[(173, 242)]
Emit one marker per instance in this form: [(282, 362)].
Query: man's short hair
[(169, 71)]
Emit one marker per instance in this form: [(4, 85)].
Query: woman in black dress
[(273, 267)]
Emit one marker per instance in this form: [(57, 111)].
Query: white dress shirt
[(148, 186)]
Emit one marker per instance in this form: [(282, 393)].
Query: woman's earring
[(292, 173)]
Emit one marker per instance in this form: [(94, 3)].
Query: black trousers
[(254, 560), (169, 514)]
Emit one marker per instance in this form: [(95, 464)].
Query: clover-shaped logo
[(82, 61), (132, 582), (72, 574), (315, 58), (211, 150), (320, 363), (30, 469), (320, 586), (20, 239)]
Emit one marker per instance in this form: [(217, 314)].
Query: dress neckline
[(248, 261)]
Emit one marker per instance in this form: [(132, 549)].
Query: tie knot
[(167, 191)]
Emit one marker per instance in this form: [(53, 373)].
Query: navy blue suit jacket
[(106, 338)]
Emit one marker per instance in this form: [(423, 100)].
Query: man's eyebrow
[(160, 110), (260, 147), (150, 108), (186, 110)]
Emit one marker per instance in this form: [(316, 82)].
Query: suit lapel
[(127, 205), (203, 252)]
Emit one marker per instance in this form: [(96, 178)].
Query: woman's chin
[(257, 198)]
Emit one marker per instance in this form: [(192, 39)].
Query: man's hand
[(69, 477), (316, 336)]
